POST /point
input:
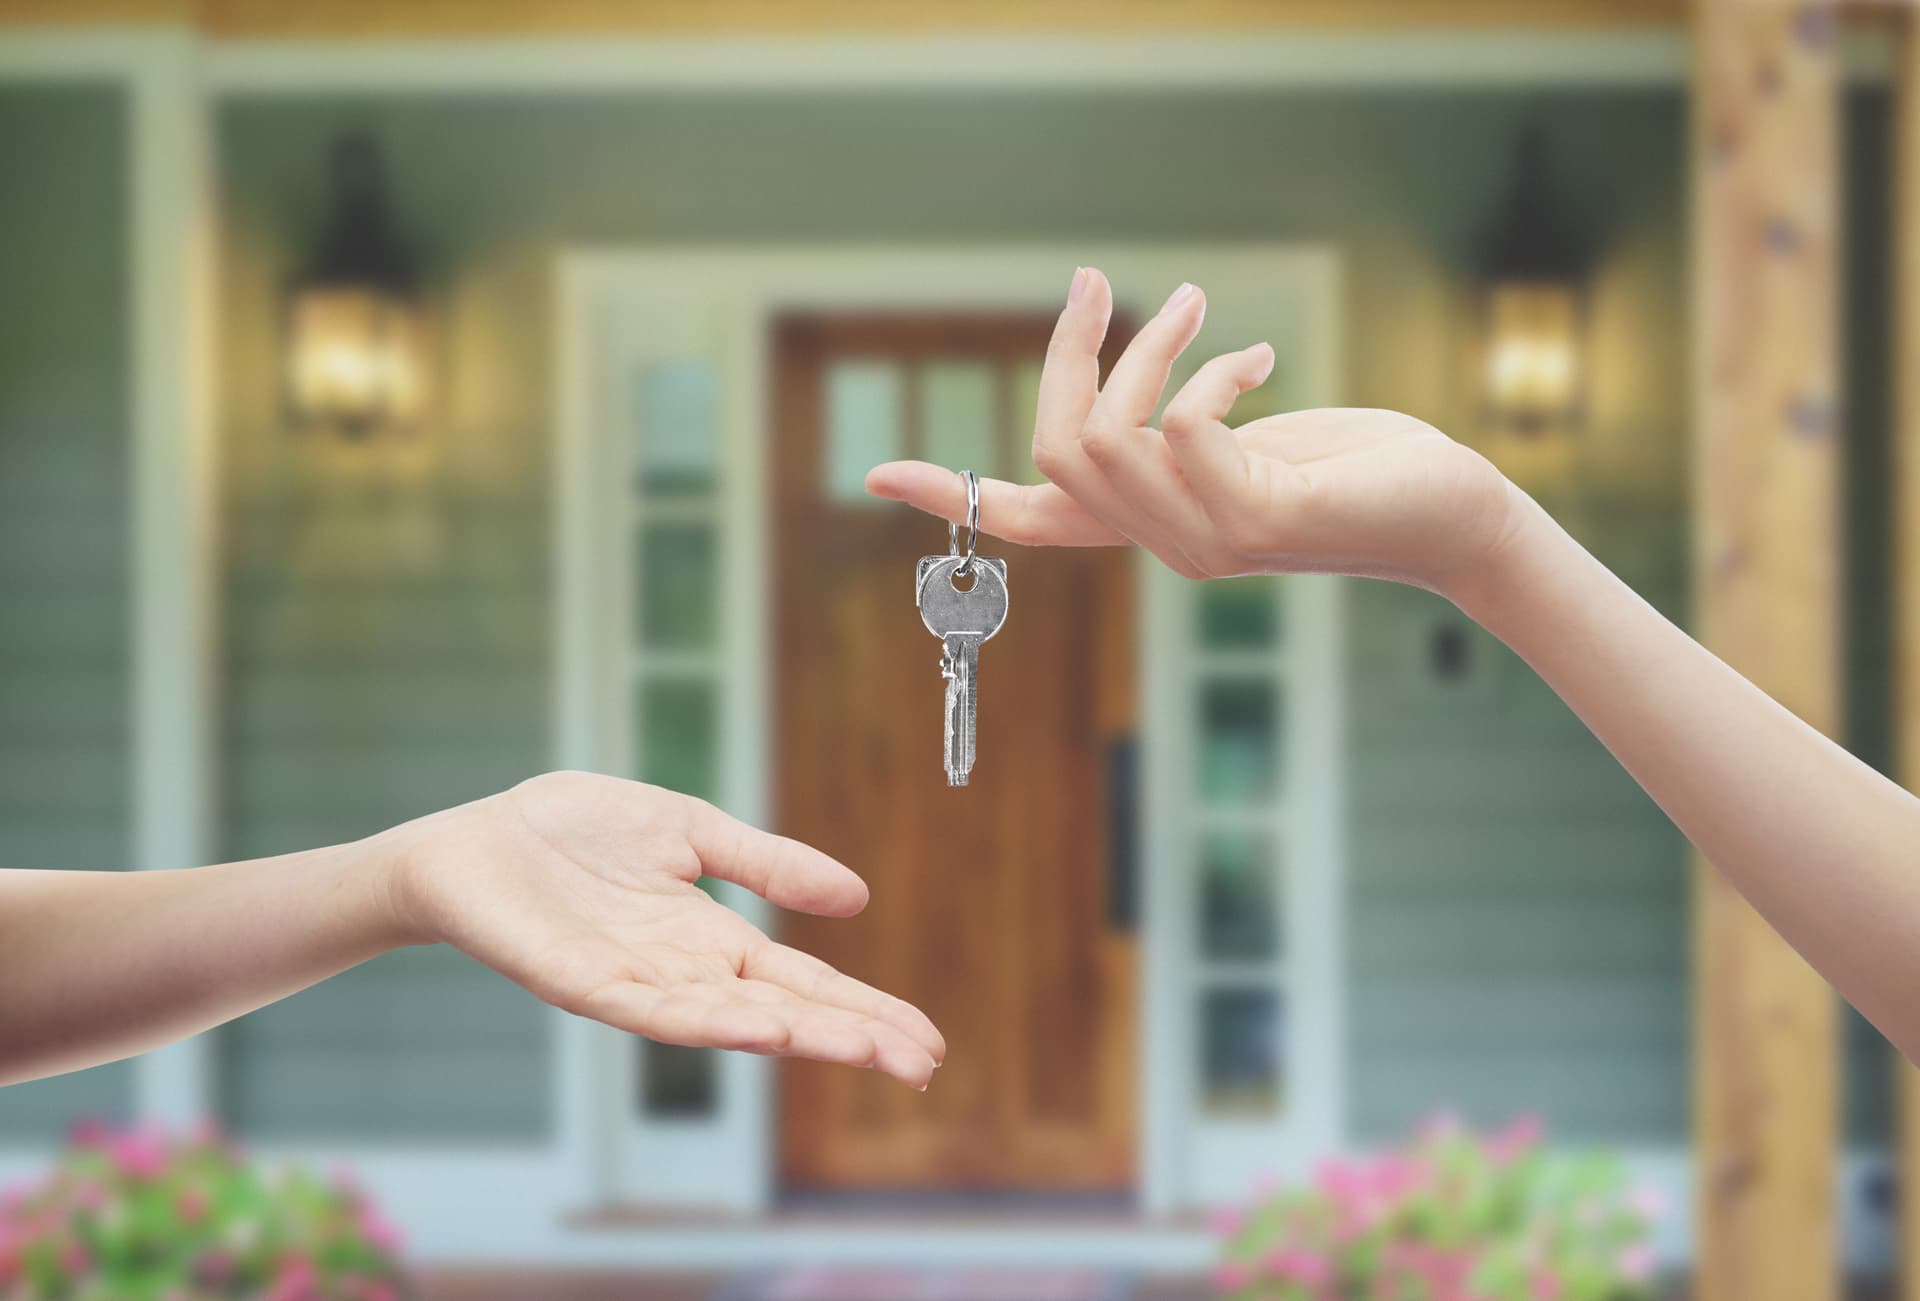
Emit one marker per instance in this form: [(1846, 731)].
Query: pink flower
[(192, 1205), (1543, 1285), (138, 1155), (214, 1268), (1636, 1263), (90, 1196), (1649, 1203), (295, 1280), (1231, 1277), (74, 1258), (89, 1131), (1521, 1136), (381, 1233), (1228, 1222)]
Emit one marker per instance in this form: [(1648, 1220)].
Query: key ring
[(972, 481)]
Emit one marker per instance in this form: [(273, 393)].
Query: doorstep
[(958, 1231)]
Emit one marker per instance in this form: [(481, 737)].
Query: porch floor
[(498, 1285)]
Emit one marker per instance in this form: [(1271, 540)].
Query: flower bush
[(134, 1216), (1453, 1217)]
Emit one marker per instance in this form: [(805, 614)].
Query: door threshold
[(1009, 1234), (917, 1210)]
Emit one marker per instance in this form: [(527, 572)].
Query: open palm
[(582, 888), (1342, 490)]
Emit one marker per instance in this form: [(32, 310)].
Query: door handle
[(1123, 834)]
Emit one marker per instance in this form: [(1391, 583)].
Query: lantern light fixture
[(1533, 377), (357, 361)]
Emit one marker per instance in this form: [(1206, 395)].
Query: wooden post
[(1767, 575), (1906, 460)]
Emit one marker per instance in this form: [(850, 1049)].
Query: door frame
[(617, 308)]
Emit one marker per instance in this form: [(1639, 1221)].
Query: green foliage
[(1453, 1217), (138, 1217)]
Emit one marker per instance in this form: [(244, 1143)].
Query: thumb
[(779, 870)]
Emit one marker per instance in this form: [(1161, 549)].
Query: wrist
[(1493, 590), (380, 868)]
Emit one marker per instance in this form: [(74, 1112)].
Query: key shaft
[(959, 665)]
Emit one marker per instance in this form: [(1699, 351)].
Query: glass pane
[(1240, 1050), (1025, 397), (679, 737), (1237, 887), (676, 1082), (863, 425), (676, 428), (677, 586), (957, 424), (1239, 614), (1239, 740)]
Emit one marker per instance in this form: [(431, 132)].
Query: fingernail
[(1078, 288), (1266, 367), (1180, 295)]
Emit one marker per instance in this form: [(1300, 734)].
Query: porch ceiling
[(490, 18)]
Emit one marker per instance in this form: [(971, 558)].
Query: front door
[(1001, 908)]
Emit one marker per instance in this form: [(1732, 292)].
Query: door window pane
[(958, 427), (1240, 1050), (677, 431), (679, 736), (677, 586), (1239, 742), (1237, 909), (864, 401), (677, 1082), (1024, 398), (1239, 614)]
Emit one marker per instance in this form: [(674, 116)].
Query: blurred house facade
[(1374, 869)]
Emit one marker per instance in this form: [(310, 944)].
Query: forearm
[(100, 965), (1821, 844)]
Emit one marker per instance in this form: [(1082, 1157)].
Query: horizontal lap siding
[(1517, 907), (64, 510), (360, 691)]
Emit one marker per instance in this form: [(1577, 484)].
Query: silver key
[(962, 620)]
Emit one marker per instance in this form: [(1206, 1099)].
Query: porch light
[(1533, 376), (356, 324)]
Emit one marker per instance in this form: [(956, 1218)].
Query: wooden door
[(1000, 907)]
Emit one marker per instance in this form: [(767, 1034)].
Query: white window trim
[(728, 298), (171, 559)]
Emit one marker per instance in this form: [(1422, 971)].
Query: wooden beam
[(349, 19), (1905, 171), (1767, 579)]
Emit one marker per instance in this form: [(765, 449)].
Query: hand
[(1340, 490), (581, 888)]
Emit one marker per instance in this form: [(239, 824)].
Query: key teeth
[(956, 779)]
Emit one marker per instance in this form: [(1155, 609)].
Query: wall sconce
[(357, 362), (1533, 372)]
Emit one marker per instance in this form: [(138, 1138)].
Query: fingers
[(782, 871), (759, 1019), (1208, 453), (1133, 389), (818, 981), (1035, 515), (1070, 380), (1079, 434), (822, 1032)]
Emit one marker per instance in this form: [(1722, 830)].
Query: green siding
[(64, 510), (1518, 932), (1517, 907)]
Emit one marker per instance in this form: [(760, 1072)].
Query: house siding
[(1517, 909), (64, 516)]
